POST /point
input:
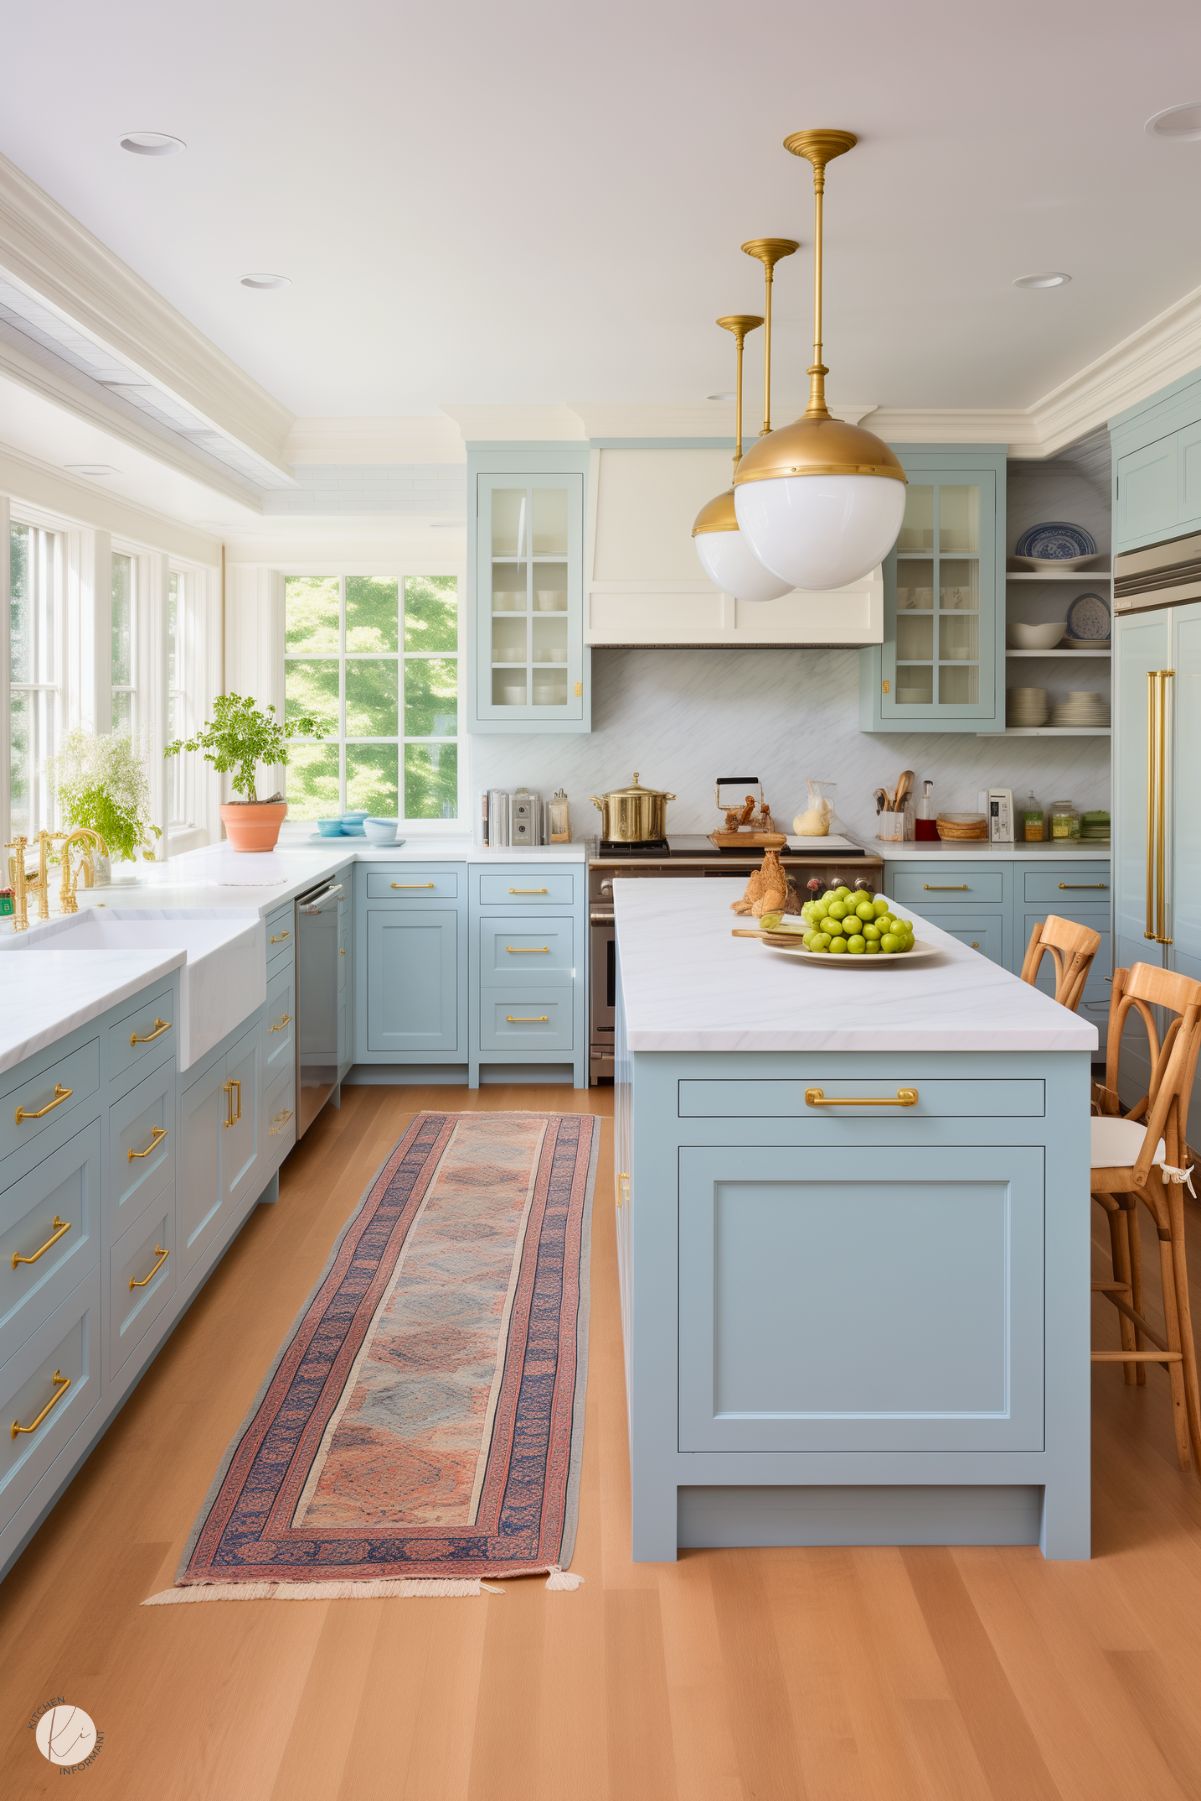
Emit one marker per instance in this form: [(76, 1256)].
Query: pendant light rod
[(768, 251), (739, 324), (818, 148)]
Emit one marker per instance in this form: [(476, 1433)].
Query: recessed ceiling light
[(151, 143), (1050, 278), (266, 281), (728, 396), (444, 525), (1183, 123), (90, 469)]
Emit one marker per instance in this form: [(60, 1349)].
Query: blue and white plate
[(1056, 542), (1088, 617)]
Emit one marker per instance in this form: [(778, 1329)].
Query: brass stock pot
[(634, 815)]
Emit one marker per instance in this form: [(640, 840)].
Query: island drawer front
[(143, 1276), (513, 951), (521, 889), (516, 1022), (279, 1119), (1063, 886), (42, 1093), (62, 1190), (863, 1299), (938, 1099), (924, 888), (141, 1148), (53, 1379), (413, 882), (279, 1023), (144, 1037)]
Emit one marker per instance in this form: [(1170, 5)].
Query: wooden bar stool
[(1071, 948), (1142, 1156)]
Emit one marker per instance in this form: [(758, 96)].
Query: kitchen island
[(853, 1233)]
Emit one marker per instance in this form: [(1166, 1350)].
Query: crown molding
[(435, 438), (1159, 352), (41, 484), (62, 265), (516, 424)]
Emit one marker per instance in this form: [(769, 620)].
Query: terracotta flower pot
[(253, 824)]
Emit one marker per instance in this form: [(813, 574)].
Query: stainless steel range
[(830, 860)]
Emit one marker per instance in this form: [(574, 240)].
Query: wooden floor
[(775, 1675)]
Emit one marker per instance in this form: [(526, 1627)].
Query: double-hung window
[(123, 662), (377, 659), (36, 630)]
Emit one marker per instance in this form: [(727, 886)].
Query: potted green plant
[(101, 782), (236, 740)]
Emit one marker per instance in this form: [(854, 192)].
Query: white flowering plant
[(101, 782)]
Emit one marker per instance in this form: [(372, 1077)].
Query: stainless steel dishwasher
[(316, 1001)]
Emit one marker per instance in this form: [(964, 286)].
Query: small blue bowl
[(330, 828), (352, 824), (380, 831)]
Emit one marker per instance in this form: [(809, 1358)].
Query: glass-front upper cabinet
[(940, 666), (529, 580)]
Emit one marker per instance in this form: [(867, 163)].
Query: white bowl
[(1036, 637)]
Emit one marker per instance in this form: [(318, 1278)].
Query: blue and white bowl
[(1056, 542), (352, 823), (380, 831), (330, 828)]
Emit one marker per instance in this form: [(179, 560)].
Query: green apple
[(865, 910), (821, 941), (857, 945), (872, 947), (890, 944), (882, 906), (871, 931), (838, 946)]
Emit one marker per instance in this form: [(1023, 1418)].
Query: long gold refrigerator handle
[(1152, 739), (1161, 827)]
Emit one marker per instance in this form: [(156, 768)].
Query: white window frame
[(189, 779), (53, 693), (138, 621), (400, 573)]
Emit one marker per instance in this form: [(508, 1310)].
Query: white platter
[(916, 955)]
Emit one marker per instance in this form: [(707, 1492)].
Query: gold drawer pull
[(161, 1257), (623, 1187), (160, 1026), (527, 1019), (904, 1097), (58, 1227), (413, 884), (157, 1134), (61, 1094), (529, 890), (1073, 887), (975, 944), (61, 1385), (528, 950), (233, 1107), (279, 1122), (341, 950), (285, 1019), (278, 937), (947, 887)]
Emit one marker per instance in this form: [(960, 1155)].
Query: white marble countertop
[(1057, 851), (688, 985), (44, 997)]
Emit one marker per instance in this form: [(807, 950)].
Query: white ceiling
[(538, 202)]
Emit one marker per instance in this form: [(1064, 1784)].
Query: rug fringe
[(414, 1588), (563, 1579)]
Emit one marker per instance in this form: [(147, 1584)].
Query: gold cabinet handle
[(341, 950), (157, 1134), (278, 937), (61, 1094), (1074, 887), (285, 1019), (904, 1097), (413, 884), (58, 1227), (623, 1187), (528, 950), (61, 1385), (947, 887), (161, 1257), (975, 944), (279, 1122), (233, 1109), (160, 1026), (527, 1019), (529, 890)]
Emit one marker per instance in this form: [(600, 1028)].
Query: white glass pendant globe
[(730, 564), (820, 531)]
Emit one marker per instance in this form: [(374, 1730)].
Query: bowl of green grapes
[(844, 923)]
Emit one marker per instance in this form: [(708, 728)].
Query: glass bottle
[(1034, 821)]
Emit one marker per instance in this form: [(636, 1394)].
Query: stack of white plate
[(1027, 706), (1081, 709)]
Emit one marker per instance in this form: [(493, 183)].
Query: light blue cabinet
[(530, 667), (1157, 466), (220, 1147), (941, 666), (1146, 493), (527, 968), (413, 983)]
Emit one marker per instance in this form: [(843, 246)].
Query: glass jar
[(1065, 820), (1034, 821)]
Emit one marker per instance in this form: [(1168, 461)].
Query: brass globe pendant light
[(819, 502), (723, 550)]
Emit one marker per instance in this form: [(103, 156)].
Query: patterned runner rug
[(423, 1426)]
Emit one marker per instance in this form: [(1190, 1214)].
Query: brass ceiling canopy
[(817, 444), (768, 251), (718, 515)]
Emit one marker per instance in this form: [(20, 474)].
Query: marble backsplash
[(684, 717)]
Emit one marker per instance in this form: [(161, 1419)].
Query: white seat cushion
[(1117, 1143)]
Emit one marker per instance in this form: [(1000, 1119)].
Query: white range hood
[(645, 584)]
